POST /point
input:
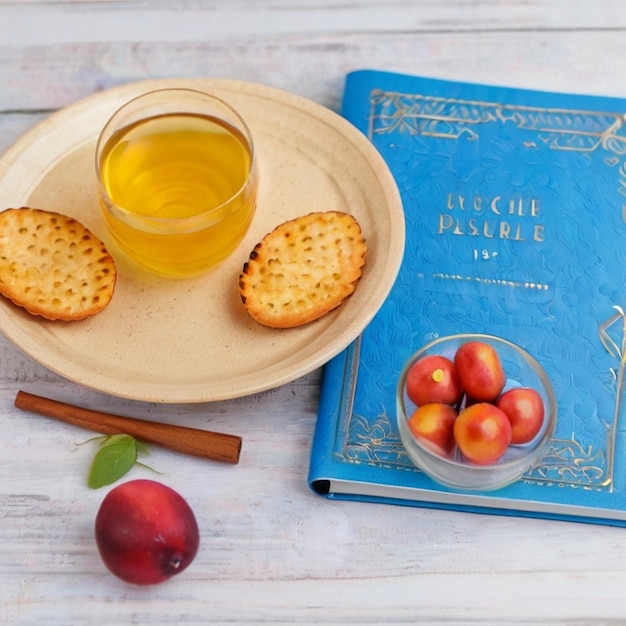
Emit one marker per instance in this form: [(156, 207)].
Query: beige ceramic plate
[(164, 340)]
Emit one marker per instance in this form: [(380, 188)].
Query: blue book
[(515, 209)]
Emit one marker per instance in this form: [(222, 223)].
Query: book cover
[(515, 209)]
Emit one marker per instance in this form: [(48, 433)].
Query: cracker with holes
[(52, 266), (303, 269)]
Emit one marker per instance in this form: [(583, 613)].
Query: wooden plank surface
[(271, 551)]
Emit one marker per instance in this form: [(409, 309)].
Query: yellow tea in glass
[(177, 180)]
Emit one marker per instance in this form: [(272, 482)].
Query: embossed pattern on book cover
[(515, 216)]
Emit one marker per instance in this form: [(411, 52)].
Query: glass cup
[(177, 180)]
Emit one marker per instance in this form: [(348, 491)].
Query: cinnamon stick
[(193, 441)]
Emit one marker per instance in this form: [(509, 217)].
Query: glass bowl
[(521, 370)]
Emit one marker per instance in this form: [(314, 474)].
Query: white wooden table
[(271, 551)]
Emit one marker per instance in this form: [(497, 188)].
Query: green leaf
[(117, 454)]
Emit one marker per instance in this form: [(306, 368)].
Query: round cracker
[(303, 269), (53, 266)]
